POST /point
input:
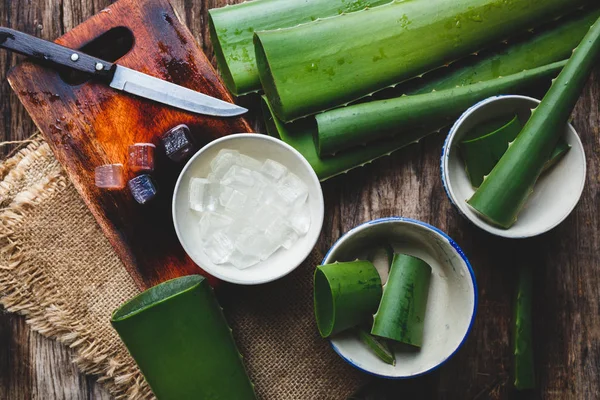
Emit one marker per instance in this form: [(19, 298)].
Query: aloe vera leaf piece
[(551, 43), (401, 313), (523, 362), (481, 153), (299, 135), (561, 149), (377, 345), (330, 62), (504, 192), (409, 116), (178, 336), (345, 295), (488, 142), (376, 256), (232, 29)]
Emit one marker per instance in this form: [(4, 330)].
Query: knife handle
[(53, 53)]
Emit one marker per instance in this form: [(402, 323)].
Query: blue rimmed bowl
[(451, 305)]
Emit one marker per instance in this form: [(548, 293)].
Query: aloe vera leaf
[(410, 116), (487, 143), (480, 154), (345, 295), (178, 336), (551, 43), (561, 149), (523, 362), (330, 62), (382, 257), (401, 313), (504, 192), (232, 29), (377, 345)]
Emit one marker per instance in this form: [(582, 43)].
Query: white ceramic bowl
[(260, 147), (451, 304), (556, 193)]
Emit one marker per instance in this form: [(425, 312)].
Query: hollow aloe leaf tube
[(486, 144), (232, 29), (345, 295), (401, 313), (410, 116), (377, 345), (178, 336), (523, 362), (327, 63), (502, 195)]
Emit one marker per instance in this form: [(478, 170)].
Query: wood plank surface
[(567, 266)]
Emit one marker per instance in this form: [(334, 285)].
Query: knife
[(117, 76)]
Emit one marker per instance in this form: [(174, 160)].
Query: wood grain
[(567, 291)]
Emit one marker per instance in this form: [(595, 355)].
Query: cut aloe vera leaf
[(503, 194), (482, 153), (561, 149), (377, 345), (330, 62), (410, 116), (382, 257), (232, 28), (178, 336), (550, 43), (486, 144), (401, 313), (345, 295), (523, 361)]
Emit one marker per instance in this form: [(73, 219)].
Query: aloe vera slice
[(488, 142), (401, 313), (178, 336), (409, 116), (523, 362), (232, 29), (377, 345), (503, 194), (483, 152), (382, 257), (345, 295), (330, 62)]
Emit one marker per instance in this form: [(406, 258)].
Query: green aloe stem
[(505, 191)]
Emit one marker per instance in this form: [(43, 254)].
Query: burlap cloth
[(58, 270)]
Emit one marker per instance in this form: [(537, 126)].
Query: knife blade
[(117, 76)]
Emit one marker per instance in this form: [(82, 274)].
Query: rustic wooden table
[(566, 260)]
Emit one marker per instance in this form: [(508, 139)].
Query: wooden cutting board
[(88, 124)]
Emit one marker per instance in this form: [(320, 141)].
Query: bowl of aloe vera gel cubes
[(396, 297), (248, 209)]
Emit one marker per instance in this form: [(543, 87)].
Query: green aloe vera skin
[(300, 134), (485, 145), (178, 336), (523, 361), (330, 62), (232, 29), (489, 144), (413, 117), (345, 295), (401, 313), (382, 257), (503, 194), (378, 346), (549, 44)]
